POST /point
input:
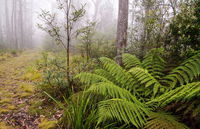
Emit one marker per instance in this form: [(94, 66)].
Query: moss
[(5, 101), (25, 94), (46, 124), (31, 74), (11, 107), (2, 111), (27, 88), (4, 126)]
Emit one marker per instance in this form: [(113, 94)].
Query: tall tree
[(7, 23), (122, 27)]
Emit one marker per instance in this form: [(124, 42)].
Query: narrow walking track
[(16, 92)]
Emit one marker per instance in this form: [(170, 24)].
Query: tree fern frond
[(183, 94), (123, 111), (123, 78), (89, 78), (145, 78), (109, 89), (154, 63), (105, 74), (163, 121), (130, 61), (186, 72)]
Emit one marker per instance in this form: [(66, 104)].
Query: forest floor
[(19, 106)]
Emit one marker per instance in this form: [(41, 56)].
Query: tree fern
[(184, 73), (163, 121), (113, 91), (184, 93), (123, 78), (123, 111), (89, 78), (106, 74), (154, 63), (130, 61), (145, 78)]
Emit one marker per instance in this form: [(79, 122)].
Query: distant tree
[(122, 27)]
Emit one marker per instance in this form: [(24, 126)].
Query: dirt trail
[(16, 92)]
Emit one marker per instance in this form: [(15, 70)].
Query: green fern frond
[(130, 61), (89, 78), (163, 121), (123, 78), (145, 78), (105, 74), (183, 94), (186, 72), (123, 111), (154, 63), (109, 89)]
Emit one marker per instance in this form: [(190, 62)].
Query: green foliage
[(154, 62), (54, 78), (78, 112), (185, 30), (123, 111), (183, 94), (163, 121), (186, 72), (130, 61), (145, 78), (132, 97)]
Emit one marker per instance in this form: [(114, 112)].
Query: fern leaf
[(105, 74), (122, 77), (186, 72), (183, 94), (145, 78), (154, 63), (163, 121), (109, 89), (130, 61), (89, 78), (123, 111)]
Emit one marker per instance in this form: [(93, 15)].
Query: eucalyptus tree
[(122, 27)]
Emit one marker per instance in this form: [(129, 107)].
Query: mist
[(19, 19)]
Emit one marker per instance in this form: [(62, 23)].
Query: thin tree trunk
[(7, 24), (21, 23), (122, 27)]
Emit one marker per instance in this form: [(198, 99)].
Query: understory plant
[(52, 67), (146, 94)]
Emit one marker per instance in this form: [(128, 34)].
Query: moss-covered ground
[(20, 108)]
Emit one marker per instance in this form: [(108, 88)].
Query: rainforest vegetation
[(100, 64)]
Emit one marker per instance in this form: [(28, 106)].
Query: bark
[(122, 27)]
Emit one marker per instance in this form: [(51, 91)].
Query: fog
[(19, 19)]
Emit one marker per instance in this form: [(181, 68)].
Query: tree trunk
[(21, 24), (7, 24), (122, 27)]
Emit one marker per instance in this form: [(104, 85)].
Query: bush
[(54, 75)]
